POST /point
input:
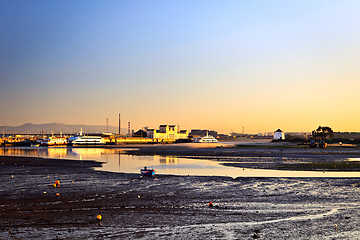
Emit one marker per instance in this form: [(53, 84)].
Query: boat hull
[(206, 139), (147, 172), (88, 141)]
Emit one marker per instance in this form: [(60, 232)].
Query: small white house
[(279, 135)]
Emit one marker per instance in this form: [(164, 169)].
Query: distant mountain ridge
[(56, 128)]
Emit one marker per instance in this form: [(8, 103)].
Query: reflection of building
[(57, 152), (279, 135), (169, 160), (167, 132)]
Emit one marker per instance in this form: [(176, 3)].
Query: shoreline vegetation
[(168, 207)]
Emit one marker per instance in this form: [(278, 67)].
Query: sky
[(219, 65)]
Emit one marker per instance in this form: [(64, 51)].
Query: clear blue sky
[(202, 64)]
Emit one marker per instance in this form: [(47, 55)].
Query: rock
[(255, 236)]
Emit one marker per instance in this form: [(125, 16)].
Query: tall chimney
[(119, 125), (107, 125)]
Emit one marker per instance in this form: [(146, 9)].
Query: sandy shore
[(169, 207)]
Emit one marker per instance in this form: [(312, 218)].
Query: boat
[(147, 172), (205, 139), (53, 141), (73, 138), (89, 140), (21, 143)]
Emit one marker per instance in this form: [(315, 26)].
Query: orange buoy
[(99, 217), (57, 182), (211, 204), (57, 194), (54, 185)]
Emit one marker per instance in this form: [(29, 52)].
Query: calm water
[(116, 161)]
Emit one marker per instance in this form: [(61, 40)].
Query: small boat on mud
[(147, 172)]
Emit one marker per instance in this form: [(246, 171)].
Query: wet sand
[(169, 207)]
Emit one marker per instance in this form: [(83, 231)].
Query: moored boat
[(73, 138), (205, 139), (88, 140), (53, 141)]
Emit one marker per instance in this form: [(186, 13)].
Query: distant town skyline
[(219, 65)]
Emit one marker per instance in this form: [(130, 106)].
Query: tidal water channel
[(116, 160)]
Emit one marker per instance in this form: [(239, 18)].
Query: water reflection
[(354, 159), (167, 159), (116, 161)]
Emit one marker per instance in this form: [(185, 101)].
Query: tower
[(129, 129), (119, 125), (107, 125)]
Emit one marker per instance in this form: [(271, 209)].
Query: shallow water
[(115, 160)]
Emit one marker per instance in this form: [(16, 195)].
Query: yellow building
[(167, 132)]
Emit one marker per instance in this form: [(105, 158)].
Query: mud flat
[(265, 156), (169, 207), (250, 150)]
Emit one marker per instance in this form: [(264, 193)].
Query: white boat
[(205, 139), (89, 140), (73, 138), (53, 141)]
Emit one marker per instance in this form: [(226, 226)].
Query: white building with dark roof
[(279, 135), (167, 132)]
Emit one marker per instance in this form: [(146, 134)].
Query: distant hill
[(48, 128)]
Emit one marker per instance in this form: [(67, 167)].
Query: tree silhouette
[(322, 132)]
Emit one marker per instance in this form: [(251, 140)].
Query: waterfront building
[(167, 132), (202, 133), (279, 135), (140, 133), (347, 135)]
